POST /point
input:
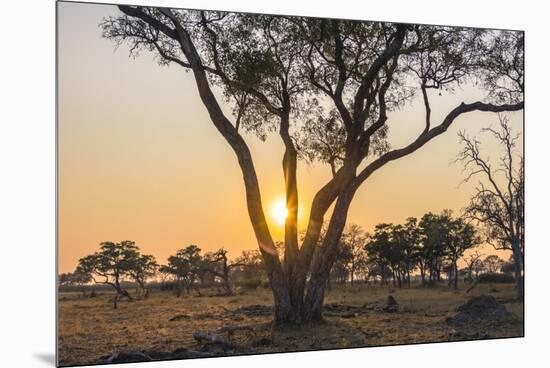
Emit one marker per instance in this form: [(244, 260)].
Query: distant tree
[(273, 69), (392, 249), (64, 279), (462, 237), (473, 264), (498, 201), (112, 263), (77, 278), (184, 267), (507, 267), (252, 265), (493, 263), (354, 239), (142, 268), (341, 267), (411, 246), (218, 264), (435, 238), (396, 253)]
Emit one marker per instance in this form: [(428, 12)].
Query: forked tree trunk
[(320, 268)]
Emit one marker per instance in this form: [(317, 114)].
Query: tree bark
[(455, 266), (320, 269), (518, 268)]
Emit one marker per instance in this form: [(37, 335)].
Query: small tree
[(77, 278), (112, 263), (378, 249), (218, 264), (462, 238), (252, 266), (340, 271), (354, 240), (498, 202), (184, 267), (493, 263), (435, 238), (142, 268), (473, 264)]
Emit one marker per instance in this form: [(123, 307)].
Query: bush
[(168, 286), (251, 284), (497, 278)]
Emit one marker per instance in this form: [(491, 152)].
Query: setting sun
[(279, 212)]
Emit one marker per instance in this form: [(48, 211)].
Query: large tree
[(327, 87), (498, 200)]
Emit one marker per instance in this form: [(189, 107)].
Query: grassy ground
[(91, 328)]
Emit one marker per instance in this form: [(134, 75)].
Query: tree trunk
[(455, 266), (320, 270), (518, 268)]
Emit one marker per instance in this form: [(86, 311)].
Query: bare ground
[(355, 317)]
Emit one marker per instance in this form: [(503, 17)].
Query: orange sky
[(139, 158)]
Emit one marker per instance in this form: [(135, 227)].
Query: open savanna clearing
[(89, 328)]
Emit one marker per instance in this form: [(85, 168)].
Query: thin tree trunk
[(518, 268), (456, 273)]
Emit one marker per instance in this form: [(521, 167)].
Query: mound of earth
[(391, 305), (483, 309)]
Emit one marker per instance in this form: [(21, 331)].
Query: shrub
[(168, 286), (251, 284), (499, 278)]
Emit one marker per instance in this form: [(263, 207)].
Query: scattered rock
[(183, 353), (343, 310), (255, 310), (470, 335), (208, 337), (264, 341), (129, 357), (179, 317), (349, 315), (125, 357), (220, 340), (208, 315), (371, 334), (159, 355)]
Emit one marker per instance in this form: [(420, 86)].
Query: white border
[(27, 185)]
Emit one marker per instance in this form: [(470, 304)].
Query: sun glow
[(279, 212)]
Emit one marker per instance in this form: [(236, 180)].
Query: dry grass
[(91, 328)]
